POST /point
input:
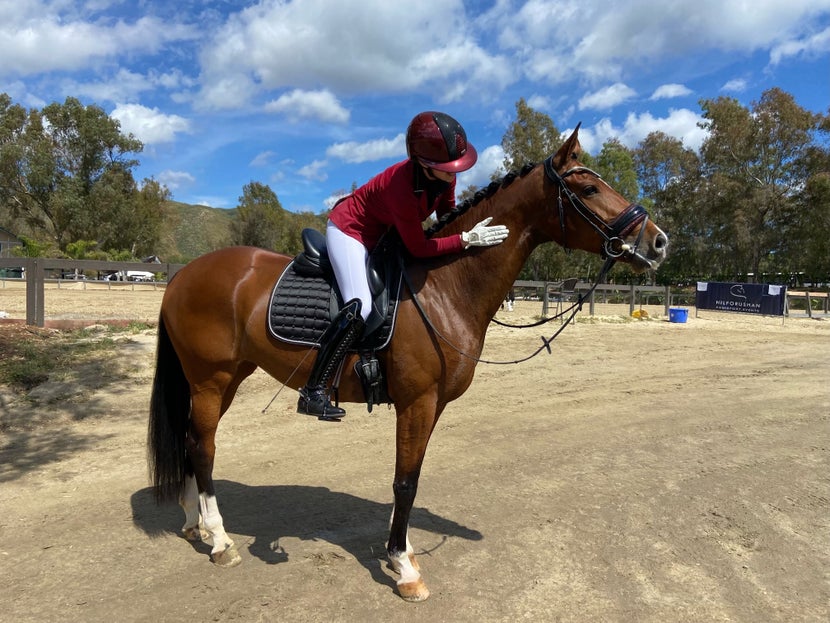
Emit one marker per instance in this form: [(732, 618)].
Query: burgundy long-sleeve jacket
[(400, 197)]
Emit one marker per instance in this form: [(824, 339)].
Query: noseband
[(613, 246)]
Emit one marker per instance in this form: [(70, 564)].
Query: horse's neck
[(482, 276)]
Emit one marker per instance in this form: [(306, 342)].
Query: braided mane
[(477, 198)]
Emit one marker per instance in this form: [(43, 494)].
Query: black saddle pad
[(302, 307)]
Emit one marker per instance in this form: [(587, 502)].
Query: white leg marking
[(189, 501), (213, 523), (403, 565), (409, 549)]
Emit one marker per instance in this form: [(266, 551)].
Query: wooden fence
[(554, 295), (38, 270)]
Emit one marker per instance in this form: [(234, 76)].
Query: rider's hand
[(483, 236)]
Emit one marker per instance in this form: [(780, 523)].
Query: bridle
[(612, 234)]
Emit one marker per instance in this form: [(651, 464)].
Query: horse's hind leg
[(206, 409), (193, 528)]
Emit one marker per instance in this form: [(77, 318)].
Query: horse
[(212, 335)]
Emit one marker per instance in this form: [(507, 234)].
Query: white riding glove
[(483, 236)]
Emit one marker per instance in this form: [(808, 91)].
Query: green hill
[(193, 230)]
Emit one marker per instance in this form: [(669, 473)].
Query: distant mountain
[(193, 230)]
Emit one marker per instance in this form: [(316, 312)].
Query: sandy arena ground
[(646, 471)]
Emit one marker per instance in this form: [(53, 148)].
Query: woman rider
[(402, 196)]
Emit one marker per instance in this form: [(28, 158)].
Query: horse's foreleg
[(414, 428), (401, 553), (205, 414)]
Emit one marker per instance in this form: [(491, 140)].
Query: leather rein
[(613, 248)]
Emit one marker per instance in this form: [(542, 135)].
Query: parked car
[(140, 275)]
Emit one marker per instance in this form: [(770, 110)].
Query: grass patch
[(29, 358)]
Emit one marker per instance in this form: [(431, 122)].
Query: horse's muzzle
[(650, 251)]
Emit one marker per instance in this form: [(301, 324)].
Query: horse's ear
[(570, 150)]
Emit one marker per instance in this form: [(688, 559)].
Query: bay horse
[(212, 335)]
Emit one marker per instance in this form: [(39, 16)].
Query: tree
[(531, 138), (809, 240), (88, 162), (295, 224), (260, 219), (25, 172), (615, 164), (129, 218), (753, 159), (670, 184), (66, 173)]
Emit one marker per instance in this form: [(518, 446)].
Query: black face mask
[(433, 187)]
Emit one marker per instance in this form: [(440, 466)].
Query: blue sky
[(311, 96)]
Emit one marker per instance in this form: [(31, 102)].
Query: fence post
[(35, 314), (668, 299), (631, 302)]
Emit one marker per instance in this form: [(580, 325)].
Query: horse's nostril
[(661, 241)]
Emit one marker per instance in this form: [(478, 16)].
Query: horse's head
[(594, 217)]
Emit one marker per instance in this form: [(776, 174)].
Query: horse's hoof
[(226, 558), (413, 591), (195, 534)]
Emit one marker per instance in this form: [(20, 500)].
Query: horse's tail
[(169, 417)]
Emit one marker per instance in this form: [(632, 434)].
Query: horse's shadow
[(270, 513)]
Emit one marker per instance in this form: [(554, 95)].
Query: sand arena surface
[(646, 471)]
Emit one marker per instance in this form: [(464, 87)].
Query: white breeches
[(348, 259)]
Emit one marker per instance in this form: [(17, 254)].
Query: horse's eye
[(590, 190)]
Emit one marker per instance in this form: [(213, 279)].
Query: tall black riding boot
[(346, 327)]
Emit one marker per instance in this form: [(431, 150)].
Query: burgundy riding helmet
[(439, 142)]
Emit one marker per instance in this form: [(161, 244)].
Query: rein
[(573, 309)]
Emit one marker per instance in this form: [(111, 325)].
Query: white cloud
[(668, 91), (332, 199), (372, 150), (149, 125), (35, 38), (127, 86), (811, 46), (681, 123), (737, 85), (315, 171), (175, 180), (564, 40), (490, 160), (319, 105), (539, 102), (262, 159), (124, 86), (351, 47), (607, 98)]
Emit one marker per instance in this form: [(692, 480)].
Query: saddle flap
[(306, 297)]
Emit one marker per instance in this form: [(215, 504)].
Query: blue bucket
[(678, 314)]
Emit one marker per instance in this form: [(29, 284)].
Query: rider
[(402, 196)]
